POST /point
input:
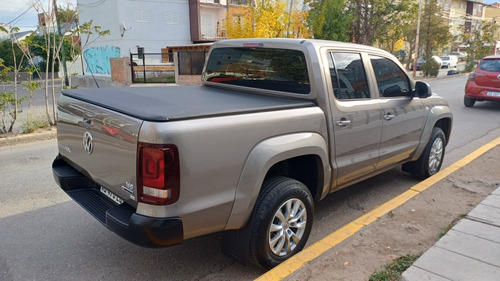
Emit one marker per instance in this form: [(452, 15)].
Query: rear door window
[(348, 76)]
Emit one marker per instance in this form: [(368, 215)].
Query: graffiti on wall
[(97, 59)]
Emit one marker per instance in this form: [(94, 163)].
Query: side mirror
[(422, 90)]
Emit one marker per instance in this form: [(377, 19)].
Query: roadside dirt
[(410, 229), (40, 134)]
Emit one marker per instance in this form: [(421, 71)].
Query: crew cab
[(275, 126)]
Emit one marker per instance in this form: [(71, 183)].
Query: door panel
[(403, 114), (356, 117)]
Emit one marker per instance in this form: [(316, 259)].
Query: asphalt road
[(45, 236)]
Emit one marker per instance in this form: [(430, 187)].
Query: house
[(148, 26)]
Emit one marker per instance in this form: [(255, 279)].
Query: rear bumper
[(474, 91), (121, 219)]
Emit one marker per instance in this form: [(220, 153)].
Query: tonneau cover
[(162, 103)]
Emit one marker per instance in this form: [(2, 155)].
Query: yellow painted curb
[(308, 254)]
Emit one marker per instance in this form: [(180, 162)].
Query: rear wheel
[(282, 221), (431, 159), (469, 102)]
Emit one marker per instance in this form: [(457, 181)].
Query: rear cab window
[(492, 65), (264, 68)]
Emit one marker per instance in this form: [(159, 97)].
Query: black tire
[(429, 163), (278, 196), (469, 102)]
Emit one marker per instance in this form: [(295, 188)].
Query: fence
[(151, 68)]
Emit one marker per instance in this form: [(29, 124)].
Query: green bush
[(430, 68), (31, 125)]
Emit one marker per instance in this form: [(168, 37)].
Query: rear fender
[(262, 157)]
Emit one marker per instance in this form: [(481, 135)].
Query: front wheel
[(429, 163), (282, 221)]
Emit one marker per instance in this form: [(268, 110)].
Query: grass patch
[(393, 270), (34, 122), (450, 226)]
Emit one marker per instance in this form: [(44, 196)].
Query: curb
[(39, 135)]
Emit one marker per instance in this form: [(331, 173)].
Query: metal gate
[(151, 68)]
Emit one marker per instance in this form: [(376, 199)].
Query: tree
[(481, 43), (50, 49), (9, 102), (67, 16), (38, 46), (434, 33), (409, 30), (374, 18), (330, 20), (391, 37), (7, 55), (266, 19)]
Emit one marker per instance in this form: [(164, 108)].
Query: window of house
[(171, 17), (348, 76), (141, 15)]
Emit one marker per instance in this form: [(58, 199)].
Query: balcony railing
[(213, 1), (224, 2), (211, 32)]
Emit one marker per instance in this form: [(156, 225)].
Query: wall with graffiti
[(97, 59)]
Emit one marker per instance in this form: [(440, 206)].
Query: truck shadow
[(63, 242)]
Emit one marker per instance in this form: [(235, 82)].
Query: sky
[(20, 13)]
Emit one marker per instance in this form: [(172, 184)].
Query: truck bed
[(158, 104)]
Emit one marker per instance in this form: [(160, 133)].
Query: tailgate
[(101, 144)]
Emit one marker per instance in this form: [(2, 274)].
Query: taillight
[(158, 175), (472, 76)]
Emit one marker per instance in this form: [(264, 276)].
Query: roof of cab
[(314, 42)]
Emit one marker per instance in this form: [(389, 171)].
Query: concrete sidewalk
[(469, 251)]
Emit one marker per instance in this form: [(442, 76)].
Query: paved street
[(46, 236)]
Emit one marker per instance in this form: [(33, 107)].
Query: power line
[(29, 8)]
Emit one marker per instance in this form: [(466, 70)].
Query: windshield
[(270, 69)]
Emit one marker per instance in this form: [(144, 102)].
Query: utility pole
[(63, 57), (417, 49)]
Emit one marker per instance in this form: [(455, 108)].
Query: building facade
[(148, 25)]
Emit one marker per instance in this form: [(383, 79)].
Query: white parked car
[(449, 61), (460, 55)]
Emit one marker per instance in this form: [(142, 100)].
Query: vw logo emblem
[(88, 143)]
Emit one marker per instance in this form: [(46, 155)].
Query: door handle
[(388, 116), (343, 122)]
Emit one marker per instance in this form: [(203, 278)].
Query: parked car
[(421, 61), (449, 61), (460, 55), (484, 82)]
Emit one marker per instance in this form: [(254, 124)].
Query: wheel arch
[(297, 156), (439, 116)]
